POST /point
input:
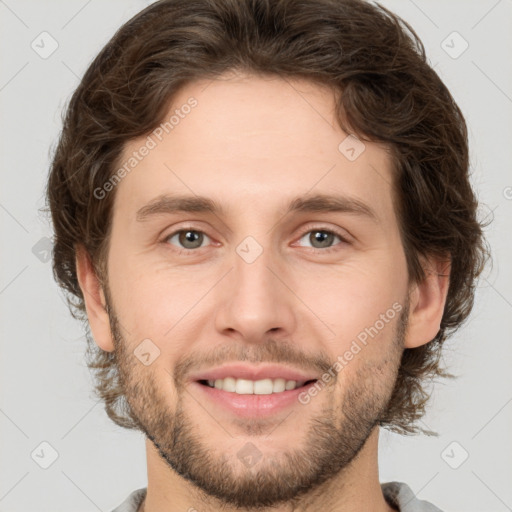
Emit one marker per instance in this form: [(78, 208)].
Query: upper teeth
[(254, 387)]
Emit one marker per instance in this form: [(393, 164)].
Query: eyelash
[(315, 250)]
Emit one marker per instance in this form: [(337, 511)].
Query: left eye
[(321, 238), (188, 238)]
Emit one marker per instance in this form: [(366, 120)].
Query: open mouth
[(255, 387)]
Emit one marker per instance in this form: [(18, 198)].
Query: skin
[(252, 144)]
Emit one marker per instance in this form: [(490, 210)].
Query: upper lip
[(251, 372)]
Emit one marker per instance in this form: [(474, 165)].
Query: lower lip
[(253, 406)]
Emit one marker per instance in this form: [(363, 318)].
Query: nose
[(256, 300)]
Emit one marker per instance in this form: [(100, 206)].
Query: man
[(263, 211)]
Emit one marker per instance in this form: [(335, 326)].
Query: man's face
[(255, 298)]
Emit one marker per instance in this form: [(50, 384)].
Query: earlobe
[(427, 303), (94, 297)]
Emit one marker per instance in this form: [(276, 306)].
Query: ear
[(94, 298), (427, 301)]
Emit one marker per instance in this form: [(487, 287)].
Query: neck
[(354, 489)]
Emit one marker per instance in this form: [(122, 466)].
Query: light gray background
[(45, 386)]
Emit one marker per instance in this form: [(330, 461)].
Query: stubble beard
[(332, 438)]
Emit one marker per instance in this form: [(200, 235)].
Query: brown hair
[(388, 93)]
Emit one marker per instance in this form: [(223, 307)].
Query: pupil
[(322, 237), (190, 237)]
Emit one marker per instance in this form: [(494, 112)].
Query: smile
[(254, 387)]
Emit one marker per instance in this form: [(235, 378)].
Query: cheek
[(361, 306), (160, 304)]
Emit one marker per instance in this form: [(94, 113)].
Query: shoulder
[(400, 496), (132, 502)]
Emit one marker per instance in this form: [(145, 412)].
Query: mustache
[(271, 351)]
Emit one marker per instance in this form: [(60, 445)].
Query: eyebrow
[(166, 204)]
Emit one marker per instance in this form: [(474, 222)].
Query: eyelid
[(322, 227)]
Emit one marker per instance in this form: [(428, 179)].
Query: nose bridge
[(255, 281), (256, 301)]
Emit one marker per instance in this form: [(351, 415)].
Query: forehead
[(248, 138)]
